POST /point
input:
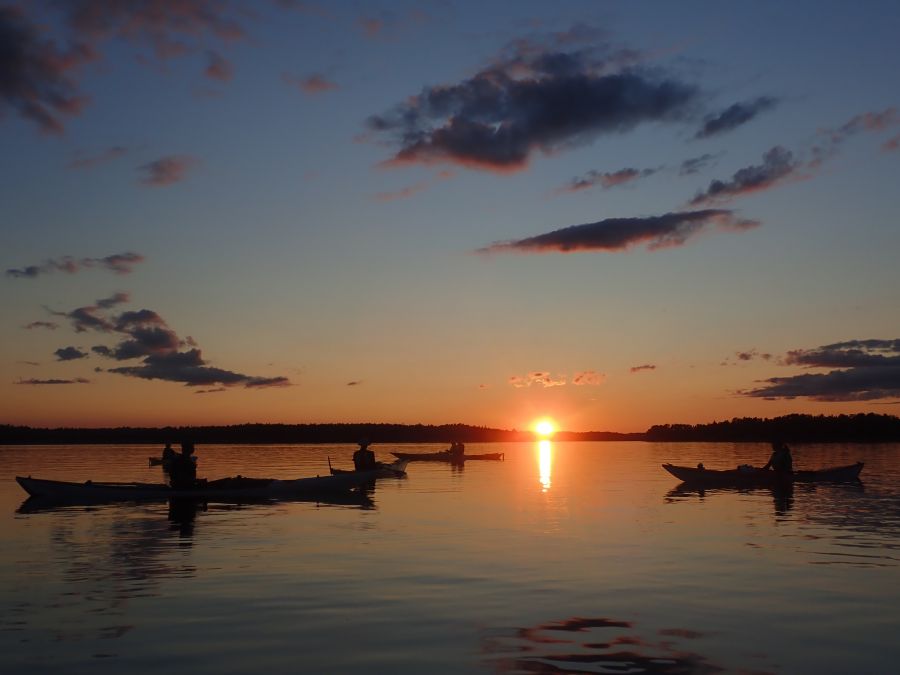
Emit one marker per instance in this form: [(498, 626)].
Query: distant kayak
[(755, 476), (445, 456), (396, 469), (224, 489)]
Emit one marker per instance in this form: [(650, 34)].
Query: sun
[(544, 427)]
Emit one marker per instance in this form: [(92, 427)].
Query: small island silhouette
[(859, 428)]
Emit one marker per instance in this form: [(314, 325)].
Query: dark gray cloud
[(535, 98), (167, 170), (752, 354), (607, 179), (354, 383), (696, 164), (190, 369), (778, 165), (120, 263), (618, 234), (143, 334), (646, 366), (113, 300), (850, 354), (865, 370), (90, 161), (735, 115), (69, 354), (36, 75), (33, 381)]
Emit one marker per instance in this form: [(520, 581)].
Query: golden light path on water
[(545, 463)]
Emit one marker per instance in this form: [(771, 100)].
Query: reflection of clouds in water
[(594, 646)]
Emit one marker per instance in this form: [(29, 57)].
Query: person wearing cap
[(364, 459)]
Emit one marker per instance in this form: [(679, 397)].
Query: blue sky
[(295, 273)]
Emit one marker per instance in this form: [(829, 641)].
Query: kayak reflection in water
[(781, 460), (364, 459), (183, 469)]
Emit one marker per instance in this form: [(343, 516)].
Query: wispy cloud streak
[(619, 234), (119, 263), (735, 115)]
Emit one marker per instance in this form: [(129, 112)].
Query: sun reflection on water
[(545, 463)]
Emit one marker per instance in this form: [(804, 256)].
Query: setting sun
[(544, 427)]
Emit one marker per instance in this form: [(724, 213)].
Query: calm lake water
[(565, 558)]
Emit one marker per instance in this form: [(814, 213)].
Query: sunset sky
[(611, 214)]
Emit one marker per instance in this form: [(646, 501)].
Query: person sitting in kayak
[(168, 454), (457, 450), (183, 469), (364, 459), (781, 460)]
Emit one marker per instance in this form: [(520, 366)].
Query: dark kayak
[(755, 476), (224, 489), (395, 469), (444, 456)]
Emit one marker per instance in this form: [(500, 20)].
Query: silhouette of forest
[(863, 428)]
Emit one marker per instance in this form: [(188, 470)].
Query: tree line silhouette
[(863, 428)]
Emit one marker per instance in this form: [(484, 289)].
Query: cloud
[(618, 234), (606, 180), (891, 144), (638, 369), (218, 67), (751, 355), (144, 334), (49, 325), (312, 84), (354, 383), (36, 80), (113, 300), (190, 369), (588, 377), (533, 99), (545, 379), (735, 116), (69, 354), (865, 370), (211, 391), (696, 164), (778, 165), (167, 170), (120, 263), (850, 354), (90, 161), (170, 29), (829, 140), (77, 380)]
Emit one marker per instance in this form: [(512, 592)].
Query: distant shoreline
[(859, 428)]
